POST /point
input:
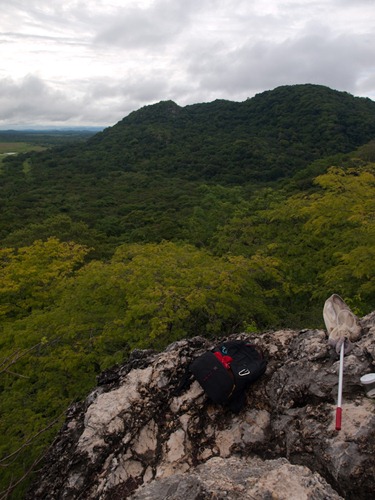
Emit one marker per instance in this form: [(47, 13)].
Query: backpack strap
[(224, 360)]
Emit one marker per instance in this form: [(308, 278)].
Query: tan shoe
[(342, 325)]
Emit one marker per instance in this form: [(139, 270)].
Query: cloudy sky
[(92, 62)]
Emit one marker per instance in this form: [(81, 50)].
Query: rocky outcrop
[(240, 478), (136, 437)]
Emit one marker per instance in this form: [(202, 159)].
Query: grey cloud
[(122, 26), (366, 84), (350, 2), (31, 100), (134, 28), (99, 102), (128, 93), (315, 58), (44, 12), (6, 37)]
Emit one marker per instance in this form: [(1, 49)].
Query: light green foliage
[(323, 240), (28, 275), (344, 219), (338, 233), (176, 290), (149, 295), (33, 391)]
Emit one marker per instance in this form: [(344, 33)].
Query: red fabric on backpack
[(225, 360)]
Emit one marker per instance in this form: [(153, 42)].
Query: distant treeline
[(47, 137)]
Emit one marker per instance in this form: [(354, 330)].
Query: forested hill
[(142, 179), (264, 138)]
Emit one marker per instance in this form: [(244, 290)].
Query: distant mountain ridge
[(269, 136)]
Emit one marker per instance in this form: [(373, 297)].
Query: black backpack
[(227, 386)]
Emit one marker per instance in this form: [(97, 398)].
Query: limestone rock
[(241, 478), (135, 435)]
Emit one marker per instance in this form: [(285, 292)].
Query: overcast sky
[(92, 62)]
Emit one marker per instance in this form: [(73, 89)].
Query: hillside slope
[(269, 136), (141, 180)]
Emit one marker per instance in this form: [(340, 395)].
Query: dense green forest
[(204, 220)]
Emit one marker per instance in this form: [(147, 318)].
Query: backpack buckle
[(244, 372)]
